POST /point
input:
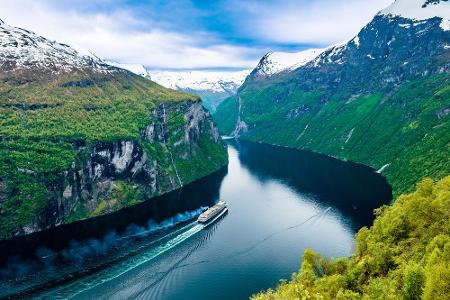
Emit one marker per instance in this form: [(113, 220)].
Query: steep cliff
[(381, 99), (80, 138)]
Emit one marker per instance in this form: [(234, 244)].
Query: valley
[(331, 160), (80, 138), (380, 99)]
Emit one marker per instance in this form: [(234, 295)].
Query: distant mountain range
[(382, 98), (212, 86)]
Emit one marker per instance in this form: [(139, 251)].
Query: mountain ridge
[(23, 49), (278, 62), (357, 98), (80, 138)]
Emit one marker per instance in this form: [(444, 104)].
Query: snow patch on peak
[(356, 41), (23, 49), (133, 68), (420, 10), (277, 62)]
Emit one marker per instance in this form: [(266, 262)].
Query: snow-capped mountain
[(420, 10), (406, 14), (407, 33), (401, 41), (212, 81), (277, 62), (212, 86), (23, 49)]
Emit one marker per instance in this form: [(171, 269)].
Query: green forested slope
[(382, 99), (404, 255), (51, 124), (408, 129), (75, 105), (227, 115)]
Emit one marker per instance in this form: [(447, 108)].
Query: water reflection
[(352, 188), (281, 202)]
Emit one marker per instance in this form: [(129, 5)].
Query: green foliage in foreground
[(404, 255)]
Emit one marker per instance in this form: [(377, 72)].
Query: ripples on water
[(281, 202)]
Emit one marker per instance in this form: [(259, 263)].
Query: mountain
[(212, 86), (277, 62), (25, 50), (81, 138), (381, 99)]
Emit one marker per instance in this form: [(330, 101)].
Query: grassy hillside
[(49, 124), (75, 106), (407, 129), (404, 255)]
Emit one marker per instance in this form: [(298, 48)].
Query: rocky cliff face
[(80, 138), (390, 50), (111, 175)]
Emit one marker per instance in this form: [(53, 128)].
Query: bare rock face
[(95, 185)]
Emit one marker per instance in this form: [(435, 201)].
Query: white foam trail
[(166, 224), (121, 268)]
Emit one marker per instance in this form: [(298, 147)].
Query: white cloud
[(113, 37), (320, 22), (120, 36)]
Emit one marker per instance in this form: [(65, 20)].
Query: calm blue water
[(281, 202)]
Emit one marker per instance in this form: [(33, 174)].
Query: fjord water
[(281, 201)]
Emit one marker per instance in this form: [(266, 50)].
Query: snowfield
[(418, 10), (277, 62), (23, 49)]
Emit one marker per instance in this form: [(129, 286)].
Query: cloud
[(319, 22), (191, 34), (119, 36)]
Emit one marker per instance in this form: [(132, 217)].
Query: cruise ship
[(213, 213)]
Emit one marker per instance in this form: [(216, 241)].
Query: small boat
[(213, 213)]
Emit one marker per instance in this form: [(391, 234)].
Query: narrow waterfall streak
[(175, 168), (237, 129), (168, 150)]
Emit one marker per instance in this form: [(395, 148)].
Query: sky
[(192, 34)]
